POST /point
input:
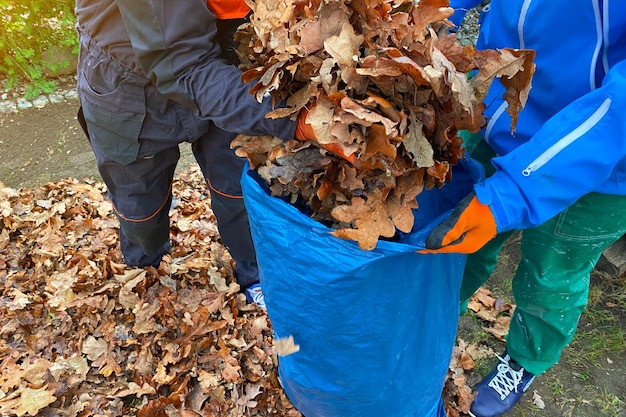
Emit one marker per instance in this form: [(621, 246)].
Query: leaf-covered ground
[(82, 335)]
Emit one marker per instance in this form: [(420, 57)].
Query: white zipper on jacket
[(568, 139), (520, 35), (596, 52), (521, 21)]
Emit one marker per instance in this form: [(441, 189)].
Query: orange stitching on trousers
[(221, 193), (146, 218)]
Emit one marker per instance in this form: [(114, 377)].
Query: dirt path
[(40, 145), (43, 145)]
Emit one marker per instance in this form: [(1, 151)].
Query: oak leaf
[(285, 346), (26, 401)]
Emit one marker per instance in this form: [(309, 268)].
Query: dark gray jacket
[(156, 69)]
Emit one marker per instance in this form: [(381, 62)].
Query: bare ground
[(43, 145), (40, 145)]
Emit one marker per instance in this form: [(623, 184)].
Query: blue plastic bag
[(375, 328)]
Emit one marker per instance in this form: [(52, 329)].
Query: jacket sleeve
[(461, 7), (581, 149), (174, 42)]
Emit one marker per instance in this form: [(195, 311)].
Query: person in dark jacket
[(154, 74), (561, 178)]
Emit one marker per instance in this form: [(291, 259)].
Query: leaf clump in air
[(387, 90)]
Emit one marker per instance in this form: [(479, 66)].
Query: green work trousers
[(551, 284)]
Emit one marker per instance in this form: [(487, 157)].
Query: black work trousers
[(141, 193)]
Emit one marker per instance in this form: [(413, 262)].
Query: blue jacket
[(571, 136)]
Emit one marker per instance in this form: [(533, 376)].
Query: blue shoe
[(501, 389), (254, 294)]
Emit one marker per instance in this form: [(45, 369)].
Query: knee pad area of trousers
[(149, 235)]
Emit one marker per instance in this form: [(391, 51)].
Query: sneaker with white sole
[(254, 294), (501, 389)]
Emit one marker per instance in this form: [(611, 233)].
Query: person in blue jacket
[(154, 74), (561, 177)]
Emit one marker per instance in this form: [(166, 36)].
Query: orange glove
[(304, 132), (470, 226)]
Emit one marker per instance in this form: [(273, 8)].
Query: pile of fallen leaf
[(83, 335), (386, 89)]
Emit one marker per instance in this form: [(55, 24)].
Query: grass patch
[(594, 343), (609, 403)]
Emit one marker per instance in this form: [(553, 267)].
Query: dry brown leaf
[(371, 214), (26, 401), (466, 362), (500, 327), (285, 346)]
